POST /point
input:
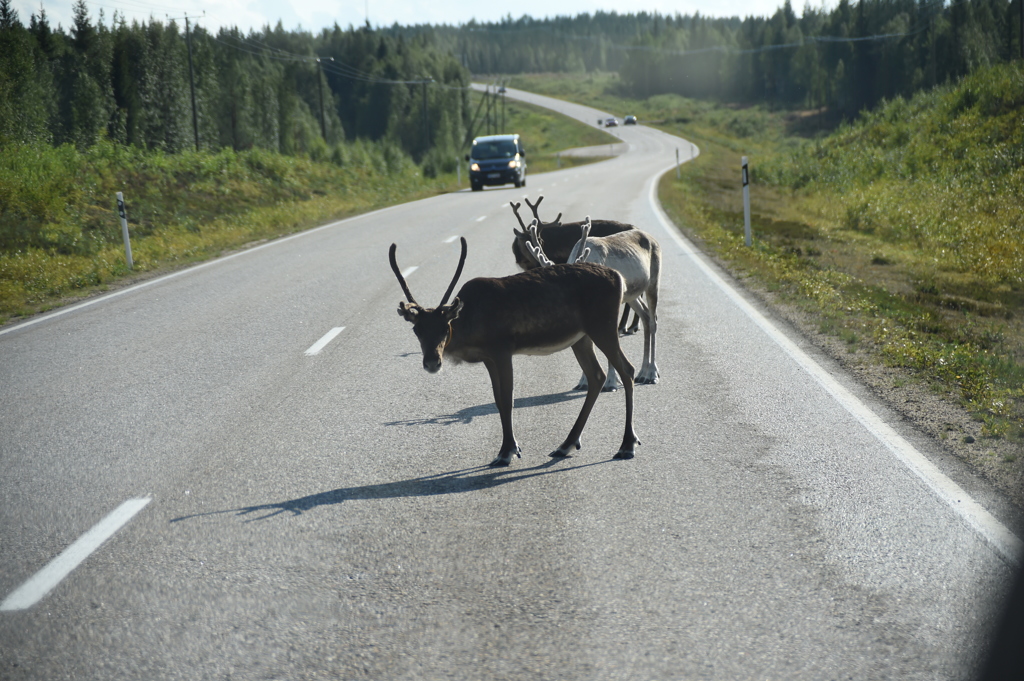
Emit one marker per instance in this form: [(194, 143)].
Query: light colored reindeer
[(637, 257), (532, 313), (558, 240)]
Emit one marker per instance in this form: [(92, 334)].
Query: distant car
[(611, 123), (629, 120), (497, 160)]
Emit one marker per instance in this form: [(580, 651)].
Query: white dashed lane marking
[(33, 591), (322, 343)]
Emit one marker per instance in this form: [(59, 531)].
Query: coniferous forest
[(296, 92), (284, 91), (848, 58)]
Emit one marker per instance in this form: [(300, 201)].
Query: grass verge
[(60, 238)]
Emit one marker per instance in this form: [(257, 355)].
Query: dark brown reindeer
[(557, 241), (532, 313)]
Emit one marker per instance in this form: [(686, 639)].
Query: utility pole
[(486, 122), (472, 124), (496, 100), (487, 111), (192, 83), (191, 77), (426, 119), (320, 89)]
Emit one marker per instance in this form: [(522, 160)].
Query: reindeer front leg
[(500, 370)]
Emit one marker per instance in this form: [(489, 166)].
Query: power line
[(333, 66), (731, 49)]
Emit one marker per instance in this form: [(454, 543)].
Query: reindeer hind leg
[(649, 373), (592, 371), (623, 331), (635, 325), (608, 343)]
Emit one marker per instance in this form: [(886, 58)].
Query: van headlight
[(513, 163), (475, 167)]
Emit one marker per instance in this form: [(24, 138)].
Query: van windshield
[(483, 151)]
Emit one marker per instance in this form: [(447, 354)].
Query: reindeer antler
[(398, 273), (405, 287), (580, 251), (458, 273), (515, 209), (534, 206), (535, 247)]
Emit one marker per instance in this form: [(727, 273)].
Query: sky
[(313, 15)]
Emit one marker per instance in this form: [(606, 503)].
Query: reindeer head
[(432, 326)]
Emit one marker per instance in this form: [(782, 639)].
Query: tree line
[(406, 87), (290, 92), (848, 58)]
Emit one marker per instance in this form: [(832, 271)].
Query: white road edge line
[(481, 218), (40, 584), (451, 238), (997, 535), (322, 343), (409, 270)]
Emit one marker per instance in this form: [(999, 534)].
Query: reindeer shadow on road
[(451, 482), (466, 416)]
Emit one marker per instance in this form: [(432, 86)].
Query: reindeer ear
[(409, 311), (452, 311)]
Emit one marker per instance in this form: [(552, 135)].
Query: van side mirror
[(467, 157)]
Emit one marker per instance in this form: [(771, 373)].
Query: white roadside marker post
[(746, 203), (124, 230)]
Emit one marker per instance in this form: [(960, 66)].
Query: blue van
[(496, 160)]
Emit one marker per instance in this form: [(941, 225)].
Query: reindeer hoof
[(565, 451), (627, 450), (610, 388), (505, 458)]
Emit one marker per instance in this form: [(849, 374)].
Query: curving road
[(203, 477)]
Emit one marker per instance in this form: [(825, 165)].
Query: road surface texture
[(203, 478)]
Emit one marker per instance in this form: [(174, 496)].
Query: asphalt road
[(329, 514)]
